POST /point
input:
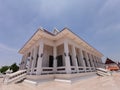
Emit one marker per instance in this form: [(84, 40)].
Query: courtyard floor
[(92, 83)]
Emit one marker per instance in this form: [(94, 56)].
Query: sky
[(95, 21)]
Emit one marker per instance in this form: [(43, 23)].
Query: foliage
[(4, 69), (14, 67)]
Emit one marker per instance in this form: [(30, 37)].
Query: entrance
[(70, 60), (50, 61), (59, 61)]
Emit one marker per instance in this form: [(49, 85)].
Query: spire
[(55, 31), (40, 28)]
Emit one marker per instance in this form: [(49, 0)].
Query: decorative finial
[(40, 28), (55, 31)]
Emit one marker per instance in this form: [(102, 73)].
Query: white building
[(58, 53)]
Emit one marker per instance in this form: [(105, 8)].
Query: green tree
[(14, 67), (4, 69)]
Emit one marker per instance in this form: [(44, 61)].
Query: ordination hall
[(58, 52)]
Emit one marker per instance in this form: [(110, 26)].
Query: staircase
[(15, 77), (103, 72)]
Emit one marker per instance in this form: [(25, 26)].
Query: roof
[(48, 32), (65, 32), (109, 61)]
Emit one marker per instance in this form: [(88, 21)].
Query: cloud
[(53, 8), (5, 48), (110, 29), (8, 55), (108, 14), (96, 20)]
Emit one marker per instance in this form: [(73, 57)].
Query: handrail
[(15, 76)]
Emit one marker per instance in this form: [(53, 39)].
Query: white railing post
[(14, 77)]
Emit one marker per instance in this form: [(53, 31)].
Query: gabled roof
[(65, 32), (49, 32), (109, 61)]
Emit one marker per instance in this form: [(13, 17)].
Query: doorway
[(50, 61), (59, 60), (70, 60)]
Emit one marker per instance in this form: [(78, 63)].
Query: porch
[(62, 70), (63, 58)]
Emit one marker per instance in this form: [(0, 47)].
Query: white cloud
[(109, 30), (4, 48), (109, 5), (8, 55), (52, 8)]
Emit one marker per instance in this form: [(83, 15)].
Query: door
[(70, 60), (50, 61), (59, 61)]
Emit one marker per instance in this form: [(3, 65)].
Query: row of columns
[(90, 61), (33, 61)]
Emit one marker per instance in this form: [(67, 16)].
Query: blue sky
[(96, 21)]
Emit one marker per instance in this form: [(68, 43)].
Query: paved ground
[(93, 83)]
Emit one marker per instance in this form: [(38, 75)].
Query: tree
[(14, 67), (4, 69)]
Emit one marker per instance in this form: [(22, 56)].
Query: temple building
[(59, 52), (111, 65)]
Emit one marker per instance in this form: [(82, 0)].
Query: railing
[(47, 70), (14, 77), (73, 69), (92, 68), (88, 69), (61, 69), (103, 72), (34, 71), (81, 69)]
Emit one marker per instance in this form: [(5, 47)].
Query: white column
[(98, 62), (101, 63), (21, 64), (87, 59), (34, 60), (74, 58), (25, 61), (67, 59), (30, 62), (91, 60), (55, 60), (31, 68), (94, 61), (39, 63), (82, 60)]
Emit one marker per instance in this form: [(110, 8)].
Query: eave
[(65, 32)]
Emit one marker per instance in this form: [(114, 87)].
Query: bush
[(14, 67), (4, 69)]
